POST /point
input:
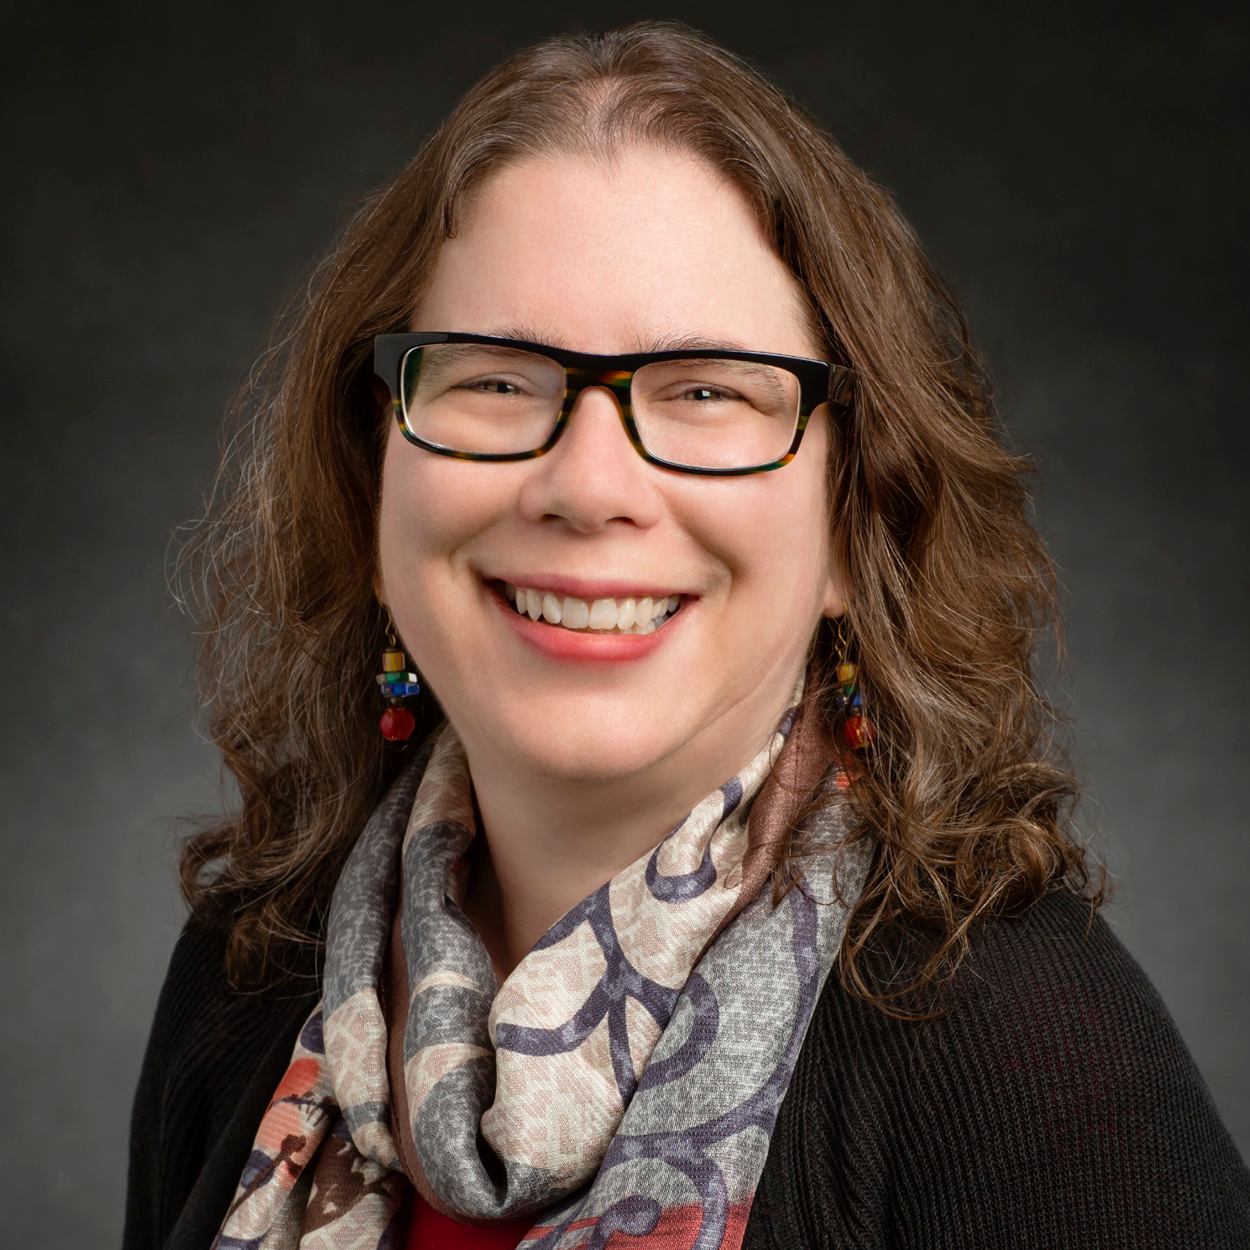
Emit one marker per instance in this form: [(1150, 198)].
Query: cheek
[(399, 514), (432, 508), (772, 537)]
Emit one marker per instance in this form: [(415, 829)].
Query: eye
[(490, 386), (706, 394)]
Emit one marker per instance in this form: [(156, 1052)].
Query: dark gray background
[(169, 174)]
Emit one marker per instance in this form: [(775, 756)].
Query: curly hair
[(961, 795)]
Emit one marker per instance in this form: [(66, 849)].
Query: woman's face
[(634, 254)]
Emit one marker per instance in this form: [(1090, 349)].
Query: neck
[(546, 845)]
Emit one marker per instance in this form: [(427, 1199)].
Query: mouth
[(606, 617)]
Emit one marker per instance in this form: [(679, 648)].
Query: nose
[(593, 476)]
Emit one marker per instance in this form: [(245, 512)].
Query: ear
[(833, 600), (834, 604)]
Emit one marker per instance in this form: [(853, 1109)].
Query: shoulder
[(206, 1033), (206, 1044), (1053, 1096), (199, 1011), (1049, 998), (195, 983), (193, 996), (1055, 989)]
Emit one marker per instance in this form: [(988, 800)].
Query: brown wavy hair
[(960, 795)]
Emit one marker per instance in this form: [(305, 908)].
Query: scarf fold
[(626, 1076)]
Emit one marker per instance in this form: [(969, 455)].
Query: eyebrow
[(661, 343)]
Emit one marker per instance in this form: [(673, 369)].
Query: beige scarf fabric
[(628, 1073)]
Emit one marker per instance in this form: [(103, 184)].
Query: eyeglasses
[(721, 413)]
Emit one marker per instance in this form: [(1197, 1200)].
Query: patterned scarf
[(626, 1076)]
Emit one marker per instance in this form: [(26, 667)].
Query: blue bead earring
[(858, 730), (396, 684)]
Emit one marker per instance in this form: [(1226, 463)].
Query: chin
[(588, 749)]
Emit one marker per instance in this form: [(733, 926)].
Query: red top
[(676, 1229), (428, 1230)]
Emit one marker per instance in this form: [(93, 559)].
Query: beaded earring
[(857, 728), (396, 684)]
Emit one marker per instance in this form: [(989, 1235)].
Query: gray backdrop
[(170, 173)]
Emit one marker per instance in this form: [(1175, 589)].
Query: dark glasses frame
[(819, 383)]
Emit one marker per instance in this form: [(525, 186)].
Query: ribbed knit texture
[(1052, 1105), (206, 1072)]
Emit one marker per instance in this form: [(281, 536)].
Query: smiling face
[(655, 249)]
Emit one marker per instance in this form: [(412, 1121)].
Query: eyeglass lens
[(704, 412)]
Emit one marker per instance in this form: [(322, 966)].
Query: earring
[(396, 684), (857, 728)]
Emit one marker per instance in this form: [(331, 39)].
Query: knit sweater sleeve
[(1053, 1104), (206, 1042)]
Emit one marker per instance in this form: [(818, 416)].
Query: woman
[(710, 882)]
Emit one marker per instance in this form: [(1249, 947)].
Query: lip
[(587, 589), (582, 648)]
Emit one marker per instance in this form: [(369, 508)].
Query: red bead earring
[(396, 684), (858, 730)]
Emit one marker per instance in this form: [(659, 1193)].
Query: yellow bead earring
[(857, 728), (396, 684)]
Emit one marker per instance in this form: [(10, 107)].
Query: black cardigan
[(1052, 1105)]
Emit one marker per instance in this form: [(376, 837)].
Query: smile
[(600, 616)]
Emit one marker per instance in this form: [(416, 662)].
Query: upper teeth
[(624, 616)]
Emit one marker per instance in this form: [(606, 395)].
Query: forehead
[(612, 255)]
